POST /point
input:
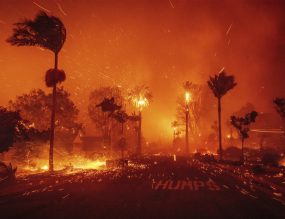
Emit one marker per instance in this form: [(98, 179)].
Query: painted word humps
[(192, 185)]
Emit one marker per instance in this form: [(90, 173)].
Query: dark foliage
[(54, 77), (101, 116), (34, 108), (220, 84), (109, 105), (242, 123), (49, 33), (45, 31)]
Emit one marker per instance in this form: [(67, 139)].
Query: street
[(155, 187)]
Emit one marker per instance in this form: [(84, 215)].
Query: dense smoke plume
[(160, 43)]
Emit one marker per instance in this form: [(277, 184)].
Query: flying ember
[(142, 109)]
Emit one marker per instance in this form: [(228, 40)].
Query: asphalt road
[(155, 188)]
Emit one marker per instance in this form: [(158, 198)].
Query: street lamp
[(187, 101)]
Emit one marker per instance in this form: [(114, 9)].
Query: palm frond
[(222, 83), (44, 31)]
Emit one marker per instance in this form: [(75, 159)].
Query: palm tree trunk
[(187, 132), (139, 148), (220, 129), (52, 125), (110, 132)]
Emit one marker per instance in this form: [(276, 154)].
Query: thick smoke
[(158, 43)]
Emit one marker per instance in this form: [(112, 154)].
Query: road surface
[(157, 187)]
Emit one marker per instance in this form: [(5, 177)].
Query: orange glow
[(72, 163), (188, 97), (44, 167), (141, 102), (282, 162), (111, 43)]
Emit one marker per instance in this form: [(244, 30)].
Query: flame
[(141, 102), (73, 163), (188, 97), (44, 167), (97, 164)]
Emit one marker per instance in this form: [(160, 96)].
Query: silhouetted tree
[(220, 84), (47, 32), (12, 129), (100, 116), (248, 107), (34, 108), (242, 125), (109, 105)]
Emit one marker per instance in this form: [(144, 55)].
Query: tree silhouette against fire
[(242, 125)]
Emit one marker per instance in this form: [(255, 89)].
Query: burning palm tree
[(49, 33), (220, 84), (140, 97)]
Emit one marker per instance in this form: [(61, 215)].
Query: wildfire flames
[(73, 163)]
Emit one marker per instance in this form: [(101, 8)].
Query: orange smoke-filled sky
[(160, 43)]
